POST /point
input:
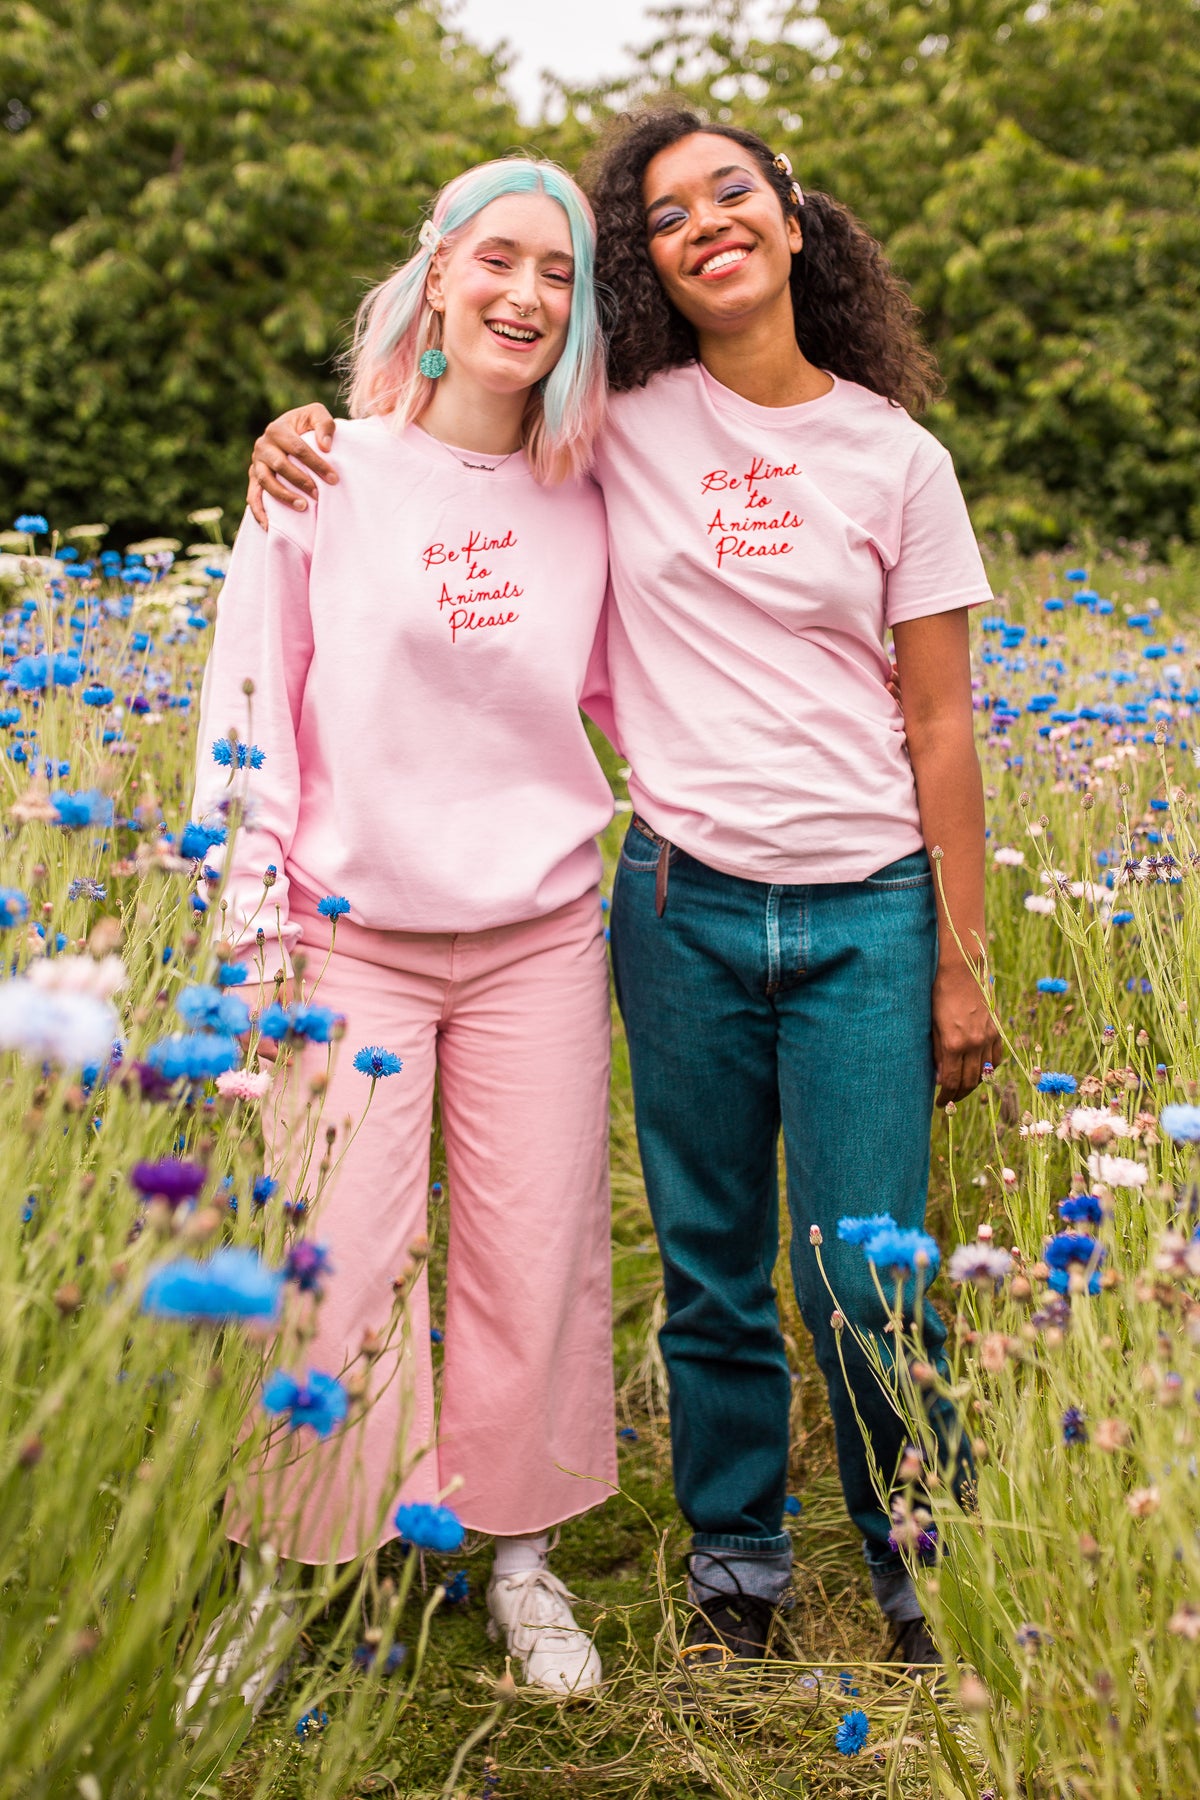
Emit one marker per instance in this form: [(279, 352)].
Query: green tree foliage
[(1034, 170), (193, 196)]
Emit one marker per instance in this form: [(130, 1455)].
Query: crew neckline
[(473, 462), (725, 400)]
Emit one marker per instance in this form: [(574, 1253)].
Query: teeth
[(724, 260), (522, 333)]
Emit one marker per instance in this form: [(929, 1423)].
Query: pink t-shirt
[(420, 643), (758, 556)]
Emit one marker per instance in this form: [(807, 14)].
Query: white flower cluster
[(73, 1029)]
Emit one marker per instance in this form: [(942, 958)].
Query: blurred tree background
[(194, 193)]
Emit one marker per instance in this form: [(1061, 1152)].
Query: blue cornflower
[(1182, 1123), (857, 1231), (212, 1009), (14, 907), (198, 1056), (170, 1180), (1053, 605), (88, 807), (903, 1252), (333, 906), (365, 1656), (307, 1263), (1122, 918), (1081, 1209), (457, 1588), (32, 673), (316, 1023), (84, 888), (264, 1187), (792, 1507), (242, 756), (10, 715), (232, 1284), (430, 1527), (1073, 1428), (195, 841), (1073, 1250), (309, 1723), (1052, 1082), (1052, 984), (436, 1336), (32, 524), (628, 1434), (231, 974), (321, 1401), (853, 1732), (97, 695), (1076, 575), (376, 1062)]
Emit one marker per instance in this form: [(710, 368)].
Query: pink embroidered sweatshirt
[(419, 642)]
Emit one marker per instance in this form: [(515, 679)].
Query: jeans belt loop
[(662, 867)]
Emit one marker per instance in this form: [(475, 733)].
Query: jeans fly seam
[(771, 920)]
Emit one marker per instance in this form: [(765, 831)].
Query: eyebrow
[(729, 169), (503, 243)]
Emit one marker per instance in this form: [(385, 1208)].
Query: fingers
[(281, 461), (274, 472), (323, 424), (949, 1075), (960, 1070)]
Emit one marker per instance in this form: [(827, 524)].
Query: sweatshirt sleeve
[(247, 745)]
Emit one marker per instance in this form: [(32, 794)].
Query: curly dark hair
[(854, 316)]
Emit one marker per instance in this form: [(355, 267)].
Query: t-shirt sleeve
[(596, 698), (939, 568)]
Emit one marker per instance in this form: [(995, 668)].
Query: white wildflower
[(1118, 1171), (73, 1030), (101, 978)]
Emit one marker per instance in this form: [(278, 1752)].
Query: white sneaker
[(248, 1648), (533, 1609)]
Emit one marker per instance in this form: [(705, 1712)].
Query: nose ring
[(523, 312)]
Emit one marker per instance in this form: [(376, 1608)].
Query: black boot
[(729, 1627), (912, 1645)]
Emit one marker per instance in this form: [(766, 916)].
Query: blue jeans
[(749, 1006)]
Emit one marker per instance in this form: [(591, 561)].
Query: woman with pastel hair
[(410, 655), (786, 963)]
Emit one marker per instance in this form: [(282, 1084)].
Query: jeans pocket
[(912, 871), (641, 853)]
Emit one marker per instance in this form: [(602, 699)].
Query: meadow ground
[(1068, 1602)]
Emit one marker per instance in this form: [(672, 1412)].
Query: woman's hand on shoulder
[(965, 1032), (281, 457)]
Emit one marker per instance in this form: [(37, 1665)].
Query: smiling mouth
[(721, 260), (516, 334)]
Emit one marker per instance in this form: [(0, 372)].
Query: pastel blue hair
[(396, 324)]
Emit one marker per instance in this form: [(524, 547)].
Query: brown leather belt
[(663, 866)]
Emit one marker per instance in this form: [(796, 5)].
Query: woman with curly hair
[(783, 959)]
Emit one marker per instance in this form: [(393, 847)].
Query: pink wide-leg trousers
[(514, 1022)]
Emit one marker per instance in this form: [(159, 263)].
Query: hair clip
[(783, 163), (429, 237)]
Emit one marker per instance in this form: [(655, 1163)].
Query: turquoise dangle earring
[(433, 360)]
